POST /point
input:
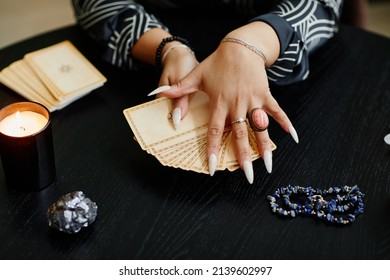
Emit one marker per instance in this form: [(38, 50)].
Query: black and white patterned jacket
[(302, 26)]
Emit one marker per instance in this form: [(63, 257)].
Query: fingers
[(159, 89), (273, 109), (256, 108), (179, 93), (185, 86), (214, 135), (258, 121), (240, 138), (180, 106), (264, 144)]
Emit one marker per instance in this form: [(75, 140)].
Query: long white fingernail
[(267, 157), (248, 170), (212, 164), (159, 89), (176, 117), (293, 133)]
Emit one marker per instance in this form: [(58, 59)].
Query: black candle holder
[(28, 161)]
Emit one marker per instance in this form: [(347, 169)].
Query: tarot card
[(64, 70)]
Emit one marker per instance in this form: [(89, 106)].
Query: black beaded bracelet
[(162, 45)]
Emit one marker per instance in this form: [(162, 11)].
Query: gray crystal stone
[(72, 212)]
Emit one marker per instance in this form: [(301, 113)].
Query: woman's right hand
[(178, 61)]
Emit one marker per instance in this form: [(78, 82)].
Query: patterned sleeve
[(118, 24), (302, 27)]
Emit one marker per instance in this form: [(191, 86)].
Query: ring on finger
[(239, 120), (258, 119)]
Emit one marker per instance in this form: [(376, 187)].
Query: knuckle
[(275, 108), (244, 154), (240, 133), (215, 132), (264, 143)]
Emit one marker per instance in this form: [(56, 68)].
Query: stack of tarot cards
[(54, 76), (185, 147)]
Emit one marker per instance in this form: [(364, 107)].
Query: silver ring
[(239, 120)]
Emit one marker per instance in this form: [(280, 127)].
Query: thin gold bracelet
[(247, 45)]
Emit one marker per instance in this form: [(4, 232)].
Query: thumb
[(185, 86)]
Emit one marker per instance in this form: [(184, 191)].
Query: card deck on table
[(54, 76), (184, 148)]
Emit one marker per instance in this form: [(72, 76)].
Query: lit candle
[(23, 123), (26, 146)]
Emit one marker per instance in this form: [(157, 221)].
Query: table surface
[(148, 211)]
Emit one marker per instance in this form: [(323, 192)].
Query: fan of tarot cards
[(54, 76), (184, 147)]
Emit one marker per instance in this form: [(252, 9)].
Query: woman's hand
[(235, 80), (178, 61)]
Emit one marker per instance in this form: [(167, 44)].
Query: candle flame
[(19, 119)]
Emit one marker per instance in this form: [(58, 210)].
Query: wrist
[(166, 45), (262, 37), (145, 48), (177, 48)]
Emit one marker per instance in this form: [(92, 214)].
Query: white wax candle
[(22, 124)]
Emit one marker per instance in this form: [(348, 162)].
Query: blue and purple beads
[(339, 205)]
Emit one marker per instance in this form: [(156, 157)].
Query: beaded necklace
[(344, 204)]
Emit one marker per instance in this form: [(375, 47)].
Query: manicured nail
[(293, 133), (267, 157), (159, 89), (248, 170), (212, 164), (176, 117)]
